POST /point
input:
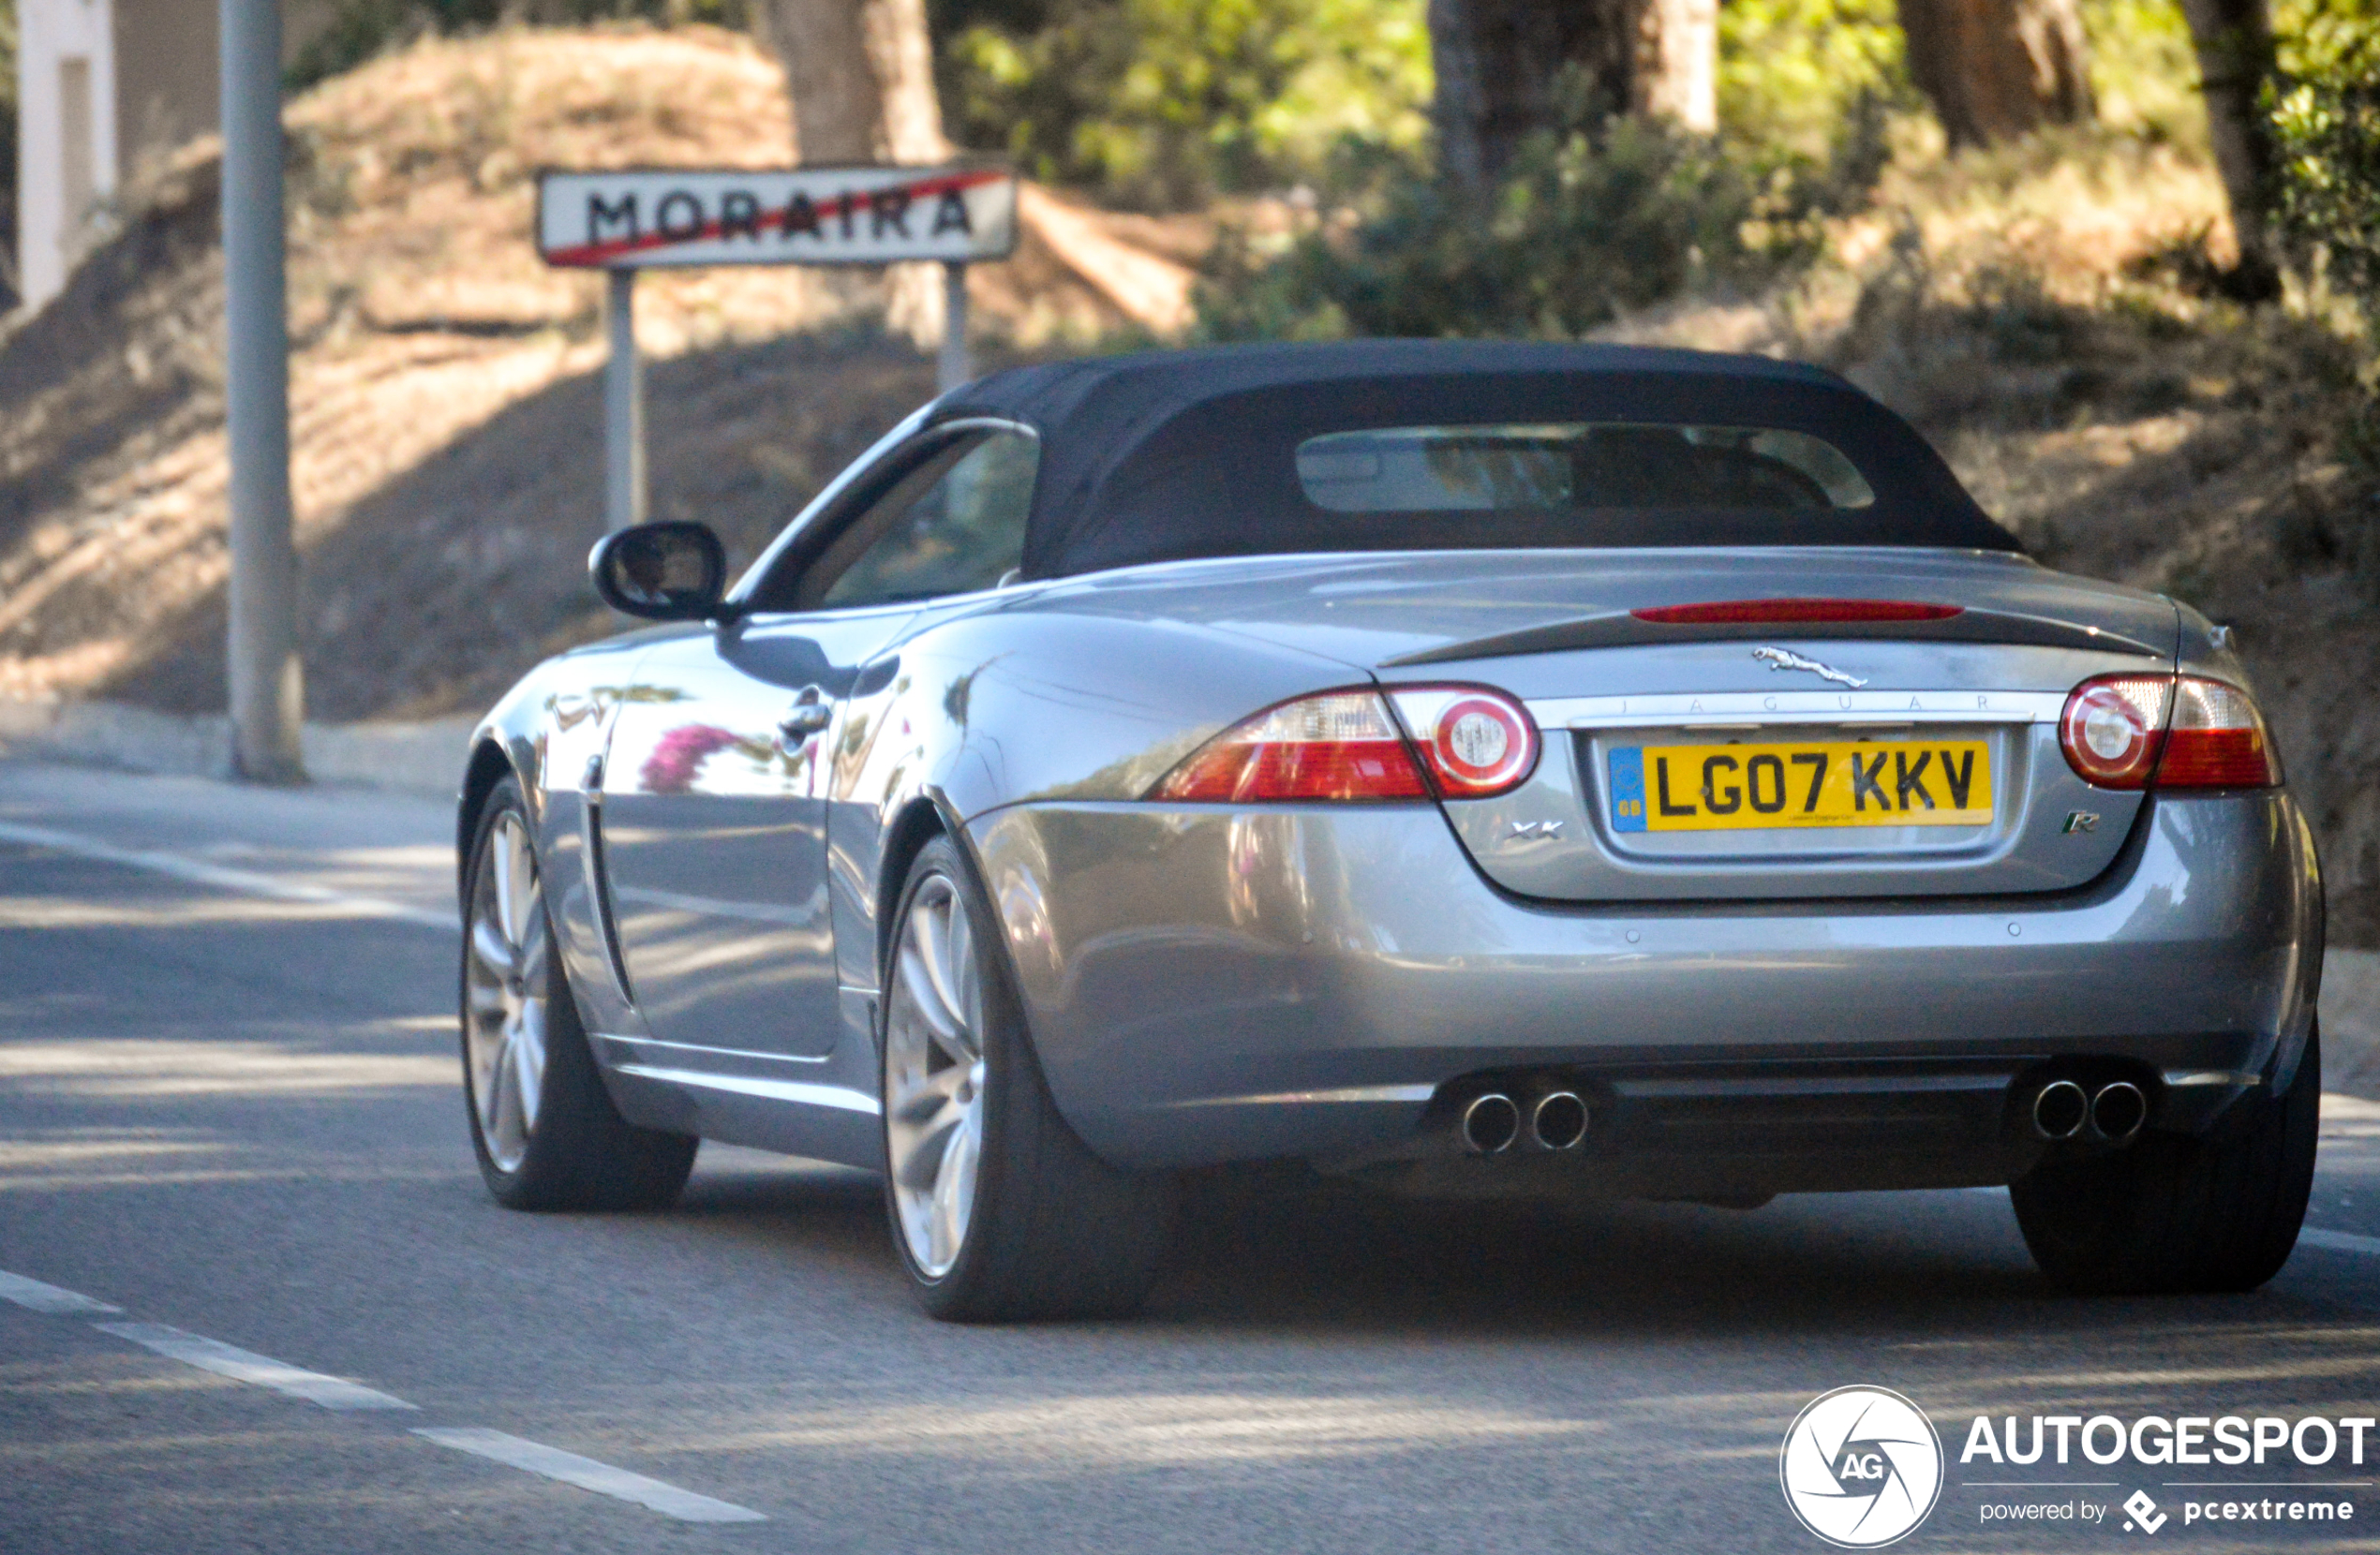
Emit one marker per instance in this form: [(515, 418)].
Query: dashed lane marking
[(245, 1366), (49, 1298), (199, 871), (588, 1475)]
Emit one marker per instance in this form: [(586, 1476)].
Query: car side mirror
[(666, 572)]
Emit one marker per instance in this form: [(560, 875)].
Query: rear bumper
[(1206, 986)]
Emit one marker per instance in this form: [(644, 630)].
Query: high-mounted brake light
[(1460, 742), (1737, 613), (2166, 731), (1340, 746)]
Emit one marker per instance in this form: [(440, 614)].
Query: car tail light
[(1476, 742), (1341, 744), (2113, 728), (2217, 740), (2169, 731), (1737, 613)]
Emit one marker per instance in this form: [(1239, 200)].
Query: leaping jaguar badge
[(1780, 658)]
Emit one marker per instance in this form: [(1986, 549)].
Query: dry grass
[(422, 320), (2043, 315), (2039, 312)]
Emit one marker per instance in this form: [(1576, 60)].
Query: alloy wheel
[(934, 1075), (505, 989)]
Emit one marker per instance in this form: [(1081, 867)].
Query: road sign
[(646, 217), (640, 218)]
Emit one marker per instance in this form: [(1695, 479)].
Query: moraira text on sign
[(815, 215)]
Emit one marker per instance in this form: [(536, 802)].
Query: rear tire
[(999, 1212), (544, 1129), (2174, 1214)]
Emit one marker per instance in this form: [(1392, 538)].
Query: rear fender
[(1001, 707)]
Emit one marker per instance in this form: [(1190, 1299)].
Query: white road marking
[(2339, 1241), (245, 1366), (48, 1298), (588, 1474), (182, 866)]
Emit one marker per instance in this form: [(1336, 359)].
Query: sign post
[(625, 491), (644, 218)]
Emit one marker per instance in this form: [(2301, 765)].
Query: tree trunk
[(2234, 42), (1498, 63), (1677, 64), (837, 110), (1997, 69), (861, 76)]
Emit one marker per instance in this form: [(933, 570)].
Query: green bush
[(359, 29), (2326, 116), (1609, 214), (1164, 103), (1793, 74), (2324, 102)]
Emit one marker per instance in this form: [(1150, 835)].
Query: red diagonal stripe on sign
[(712, 231)]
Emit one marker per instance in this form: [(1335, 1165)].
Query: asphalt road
[(229, 1105)]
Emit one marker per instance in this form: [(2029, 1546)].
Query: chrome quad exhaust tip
[(2060, 1109), (2117, 1112), (1559, 1121), (1490, 1124)]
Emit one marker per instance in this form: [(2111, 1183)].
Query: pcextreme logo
[(1861, 1467)]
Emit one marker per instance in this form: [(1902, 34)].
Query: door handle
[(810, 715)]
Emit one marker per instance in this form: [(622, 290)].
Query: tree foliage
[(2326, 116), (1609, 213), (1164, 103), (359, 29), (1796, 74)]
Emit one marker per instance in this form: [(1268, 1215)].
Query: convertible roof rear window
[(1369, 446), (1577, 468)]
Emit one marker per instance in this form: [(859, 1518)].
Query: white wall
[(50, 33)]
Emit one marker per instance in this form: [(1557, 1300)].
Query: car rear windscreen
[(1497, 461), (1577, 467)]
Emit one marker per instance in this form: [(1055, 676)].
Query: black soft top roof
[(1161, 455)]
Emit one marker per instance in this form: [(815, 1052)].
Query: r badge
[(2080, 820)]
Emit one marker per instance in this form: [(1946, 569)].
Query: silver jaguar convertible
[(1480, 770)]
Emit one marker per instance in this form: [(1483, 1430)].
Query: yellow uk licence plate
[(1710, 788)]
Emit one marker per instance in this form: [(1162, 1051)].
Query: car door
[(715, 791)]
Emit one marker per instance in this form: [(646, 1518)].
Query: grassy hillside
[(2043, 314), (443, 380)]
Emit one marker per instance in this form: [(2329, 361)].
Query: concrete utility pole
[(268, 685)]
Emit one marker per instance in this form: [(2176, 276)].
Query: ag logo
[(1861, 1467)]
